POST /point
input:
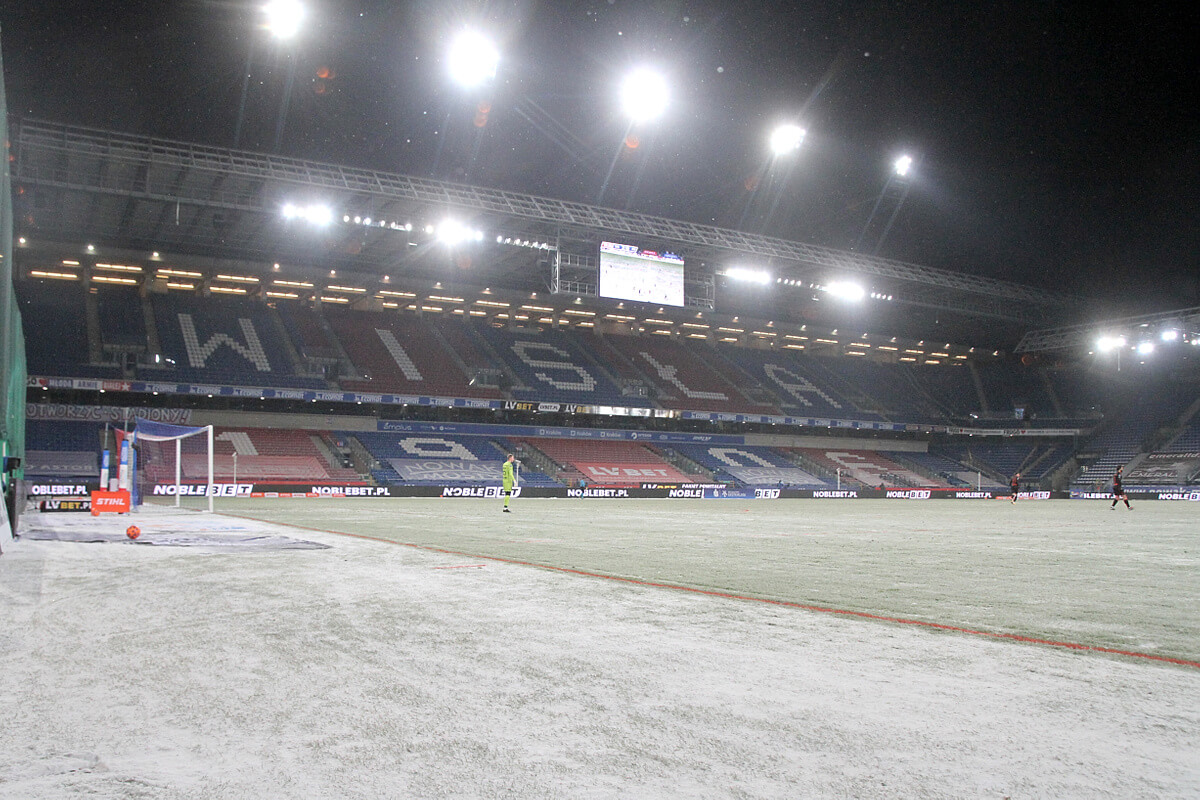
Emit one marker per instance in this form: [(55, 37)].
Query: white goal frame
[(151, 431)]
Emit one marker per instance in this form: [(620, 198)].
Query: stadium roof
[(137, 192)]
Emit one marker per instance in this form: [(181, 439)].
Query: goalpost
[(171, 456)]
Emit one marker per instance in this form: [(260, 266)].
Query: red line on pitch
[(1015, 637)]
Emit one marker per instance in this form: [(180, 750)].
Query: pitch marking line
[(1013, 637)]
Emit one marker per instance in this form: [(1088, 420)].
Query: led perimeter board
[(628, 272)]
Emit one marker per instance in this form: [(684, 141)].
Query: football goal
[(171, 462)]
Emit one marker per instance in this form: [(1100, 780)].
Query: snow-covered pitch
[(599, 648)]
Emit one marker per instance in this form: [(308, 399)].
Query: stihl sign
[(110, 502)]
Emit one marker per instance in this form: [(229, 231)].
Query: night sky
[(1055, 144)]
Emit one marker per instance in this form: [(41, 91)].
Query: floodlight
[(846, 290), (902, 164), (452, 232), (644, 95), (748, 275), (284, 17), (1106, 343), (473, 59), (315, 214), (1169, 335), (1145, 348), (786, 138)]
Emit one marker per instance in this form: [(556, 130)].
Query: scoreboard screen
[(628, 272)]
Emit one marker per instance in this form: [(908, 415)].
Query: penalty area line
[(844, 612)]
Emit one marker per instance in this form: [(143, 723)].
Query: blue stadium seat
[(54, 315), (439, 459), (226, 340), (122, 323), (894, 388), (554, 368), (750, 465), (797, 382)]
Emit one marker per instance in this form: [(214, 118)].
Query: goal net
[(171, 464)]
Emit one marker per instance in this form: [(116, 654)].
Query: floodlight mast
[(643, 96), (784, 140), (284, 19), (896, 187), (472, 60)]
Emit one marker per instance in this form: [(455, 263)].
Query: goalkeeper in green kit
[(510, 479)]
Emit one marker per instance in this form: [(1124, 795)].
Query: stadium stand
[(1166, 469), (458, 336), (122, 323), (837, 373), (867, 467), (1034, 459), (941, 469), (552, 366), (682, 376), (791, 379), (307, 330), (402, 354), (825, 370), (893, 388), (1009, 386), (536, 469), (608, 463), (748, 465), (440, 460), (1047, 459), (1116, 447), (63, 436), (57, 343), (232, 340), (1004, 458), (953, 389), (1083, 394), (61, 450), (1123, 435), (1187, 440), (632, 379), (264, 455), (77, 331)]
